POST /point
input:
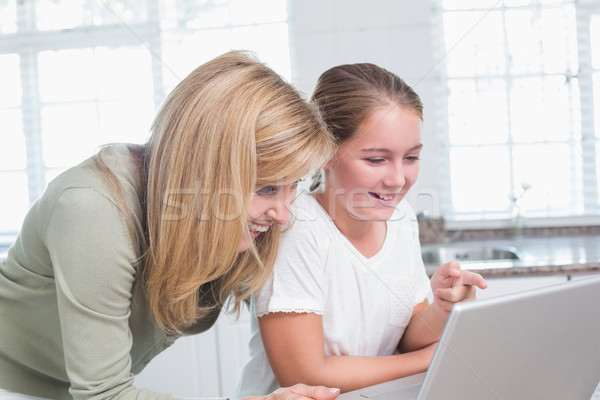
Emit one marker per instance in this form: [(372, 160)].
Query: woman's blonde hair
[(230, 126)]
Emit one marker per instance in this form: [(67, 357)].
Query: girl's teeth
[(383, 196)]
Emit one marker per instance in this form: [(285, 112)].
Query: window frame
[(474, 220), (161, 31)]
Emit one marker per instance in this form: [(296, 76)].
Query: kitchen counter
[(564, 255)]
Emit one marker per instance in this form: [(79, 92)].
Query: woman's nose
[(279, 213), (280, 210)]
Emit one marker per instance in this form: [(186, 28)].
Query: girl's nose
[(395, 177)]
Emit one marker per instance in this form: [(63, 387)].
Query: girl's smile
[(387, 198)]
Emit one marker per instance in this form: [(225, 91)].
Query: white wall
[(395, 34)]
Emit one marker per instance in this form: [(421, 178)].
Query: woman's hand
[(452, 285), (300, 391)]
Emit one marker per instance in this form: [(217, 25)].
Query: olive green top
[(74, 321)]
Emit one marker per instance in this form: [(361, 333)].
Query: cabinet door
[(189, 368), (232, 338), (204, 365), (583, 275), (502, 286)]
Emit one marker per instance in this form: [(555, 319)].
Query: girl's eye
[(375, 160), (266, 191), (413, 158)]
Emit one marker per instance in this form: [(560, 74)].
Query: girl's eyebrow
[(384, 150)]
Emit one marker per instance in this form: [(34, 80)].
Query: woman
[(347, 303), (142, 244)]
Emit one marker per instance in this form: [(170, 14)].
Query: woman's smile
[(256, 229)]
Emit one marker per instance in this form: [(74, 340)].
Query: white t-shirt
[(365, 303)]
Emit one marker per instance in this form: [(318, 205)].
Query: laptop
[(537, 344)]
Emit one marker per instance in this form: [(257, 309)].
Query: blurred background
[(511, 91)]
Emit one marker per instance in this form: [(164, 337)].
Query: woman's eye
[(413, 158), (266, 191), (375, 160)]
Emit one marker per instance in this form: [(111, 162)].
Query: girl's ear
[(330, 164)]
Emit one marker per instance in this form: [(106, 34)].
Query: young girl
[(347, 303), (139, 245)]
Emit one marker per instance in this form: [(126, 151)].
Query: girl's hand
[(452, 285), (300, 391)]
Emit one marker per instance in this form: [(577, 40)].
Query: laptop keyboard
[(405, 393)]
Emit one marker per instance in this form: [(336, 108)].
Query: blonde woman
[(142, 244)]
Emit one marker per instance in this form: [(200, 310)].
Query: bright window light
[(520, 111), (77, 74)]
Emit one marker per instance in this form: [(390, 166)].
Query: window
[(76, 74), (519, 120)]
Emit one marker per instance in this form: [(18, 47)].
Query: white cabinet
[(582, 275), (504, 285), (500, 286), (187, 369), (204, 365), (232, 342)]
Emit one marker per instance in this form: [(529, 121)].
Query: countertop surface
[(537, 256)]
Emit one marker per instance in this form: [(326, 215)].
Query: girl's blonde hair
[(230, 126), (347, 94)]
